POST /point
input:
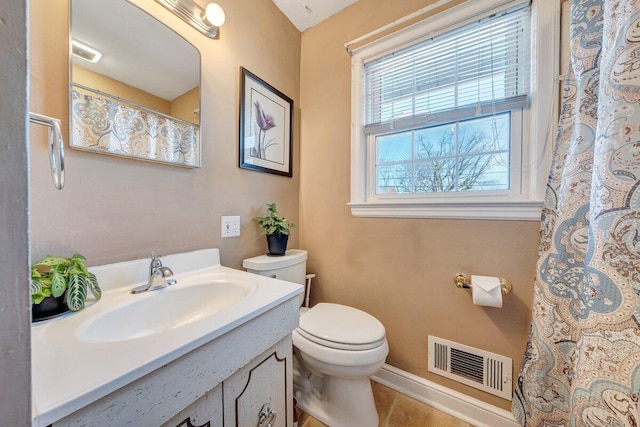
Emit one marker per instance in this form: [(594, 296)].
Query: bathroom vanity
[(216, 363)]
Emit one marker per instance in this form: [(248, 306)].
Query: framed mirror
[(134, 85)]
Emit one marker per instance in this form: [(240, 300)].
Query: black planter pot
[(277, 244), (49, 307)]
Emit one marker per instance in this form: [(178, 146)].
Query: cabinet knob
[(267, 416), (273, 276)]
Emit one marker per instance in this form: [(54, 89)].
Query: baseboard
[(454, 403)]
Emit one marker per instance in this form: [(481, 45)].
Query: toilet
[(337, 349)]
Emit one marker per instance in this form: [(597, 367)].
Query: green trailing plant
[(273, 223), (52, 276)]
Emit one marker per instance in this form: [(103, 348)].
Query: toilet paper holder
[(463, 281)]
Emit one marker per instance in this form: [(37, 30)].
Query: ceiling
[(304, 14)]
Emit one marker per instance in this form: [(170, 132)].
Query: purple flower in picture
[(265, 122)]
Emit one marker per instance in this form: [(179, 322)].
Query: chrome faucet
[(157, 276)]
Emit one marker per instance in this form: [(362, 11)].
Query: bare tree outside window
[(463, 156)]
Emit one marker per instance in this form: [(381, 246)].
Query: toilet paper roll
[(486, 291)]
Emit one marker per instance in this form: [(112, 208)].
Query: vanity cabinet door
[(204, 412), (259, 394)]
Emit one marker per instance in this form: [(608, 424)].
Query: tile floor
[(397, 410)]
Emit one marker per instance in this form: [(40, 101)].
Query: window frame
[(521, 203)]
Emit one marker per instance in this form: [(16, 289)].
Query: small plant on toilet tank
[(277, 229)]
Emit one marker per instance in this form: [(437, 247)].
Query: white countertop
[(68, 372)]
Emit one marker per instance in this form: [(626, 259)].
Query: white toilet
[(338, 349)]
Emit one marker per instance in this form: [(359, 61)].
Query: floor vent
[(477, 368)]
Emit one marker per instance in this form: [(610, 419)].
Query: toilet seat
[(341, 327)]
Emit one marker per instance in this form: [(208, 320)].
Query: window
[(466, 155), (450, 116)]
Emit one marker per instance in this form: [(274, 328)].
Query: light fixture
[(215, 14), (84, 51), (206, 21)]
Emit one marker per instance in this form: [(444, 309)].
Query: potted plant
[(277, 229), (60, 284)]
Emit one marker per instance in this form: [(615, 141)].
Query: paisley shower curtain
[(582, 361)]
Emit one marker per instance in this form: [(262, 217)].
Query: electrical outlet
[(230, 226)]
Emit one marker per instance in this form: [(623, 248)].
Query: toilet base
[(337, 402)]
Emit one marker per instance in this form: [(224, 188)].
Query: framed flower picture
[(266, 126)]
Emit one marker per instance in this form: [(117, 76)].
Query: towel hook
[(56, 145)]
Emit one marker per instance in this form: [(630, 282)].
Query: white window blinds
[(476, 69)]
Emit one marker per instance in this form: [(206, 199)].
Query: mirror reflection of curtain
[(105, 124), (582, 362)]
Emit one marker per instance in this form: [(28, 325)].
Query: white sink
[(165, 309), (124, 336)]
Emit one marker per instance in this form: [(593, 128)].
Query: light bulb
[(215, 14)]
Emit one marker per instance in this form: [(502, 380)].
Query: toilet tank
[(292, 266)]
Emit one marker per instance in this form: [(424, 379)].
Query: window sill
[(528, 210)]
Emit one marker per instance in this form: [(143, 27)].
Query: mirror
[(134, 85)]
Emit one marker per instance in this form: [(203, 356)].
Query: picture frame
[(266, 127)]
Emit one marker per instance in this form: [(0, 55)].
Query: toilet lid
[(342, 327)]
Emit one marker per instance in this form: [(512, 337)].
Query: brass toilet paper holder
[(461, 280)]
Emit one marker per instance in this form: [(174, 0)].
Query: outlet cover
[(230, 226)]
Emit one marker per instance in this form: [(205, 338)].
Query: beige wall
[(113, 87), (114, 209), (399, 270), (183, 106)]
